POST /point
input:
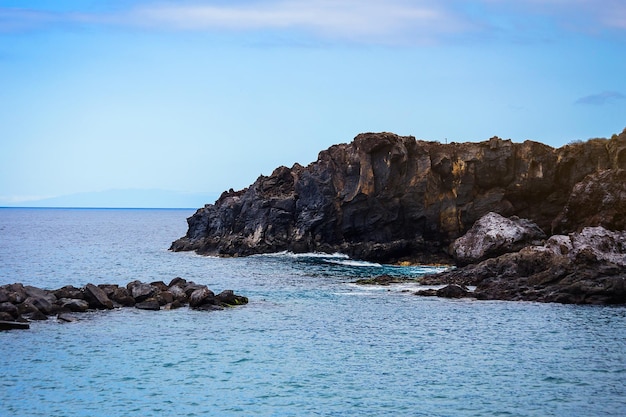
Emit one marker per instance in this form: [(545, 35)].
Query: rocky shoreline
[(20, 304), (586, 267), (388, 198), (522, 221), (504, 259)]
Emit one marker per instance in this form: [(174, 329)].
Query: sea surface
[(309, 343)]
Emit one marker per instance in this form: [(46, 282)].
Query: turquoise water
[(310, 343)]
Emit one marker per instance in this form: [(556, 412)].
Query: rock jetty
[(389, 198), (20, 304)]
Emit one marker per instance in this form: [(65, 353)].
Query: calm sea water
[(310, 343)]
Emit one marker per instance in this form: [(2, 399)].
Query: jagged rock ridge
[(385, 197)]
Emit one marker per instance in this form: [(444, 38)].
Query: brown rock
[(97, 298)]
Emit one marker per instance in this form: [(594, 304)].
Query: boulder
[(178, 293), (35, 314), (16, 293), (39, 293), (493, 235), (229, 298), (141, 291), (181, 282), (43, 304), (165, 297), (122, 297), (69, 291), (73, 304), (149, 304), (4, 295), (10, 309), (201, 296), (97, 298), (453, 291), (4, 316), (66, 318)]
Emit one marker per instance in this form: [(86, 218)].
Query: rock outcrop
[(20, 304), (587, 267), (389, 198), (494, 235)]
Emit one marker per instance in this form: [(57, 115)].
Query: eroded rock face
[(598, 200), (494, 235), (386, 198)]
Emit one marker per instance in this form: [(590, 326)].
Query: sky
[(196, 97)]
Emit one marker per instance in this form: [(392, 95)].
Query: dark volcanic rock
[(141, 291), (73, 304), (97, 298), (229, 298), (19, 303), (201, 296), (10, 309), (598, 200), (581, 268), (383, 280), (149, 304), (388, 198), (69, 291), (449, 291)]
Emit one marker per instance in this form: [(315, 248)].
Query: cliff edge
[(389, 198)]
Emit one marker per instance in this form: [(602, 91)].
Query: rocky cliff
[(388, 198)]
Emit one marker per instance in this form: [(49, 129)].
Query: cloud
[(392, 21), (356, 20), (606, 97), (367, 21)]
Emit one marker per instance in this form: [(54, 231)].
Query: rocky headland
[(20, 304), (389, 198)]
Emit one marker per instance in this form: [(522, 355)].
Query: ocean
[(309, 343)]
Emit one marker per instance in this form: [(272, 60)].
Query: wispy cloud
[(605, 97), (370, 21)]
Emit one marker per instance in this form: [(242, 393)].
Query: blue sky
[(202, 96)]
